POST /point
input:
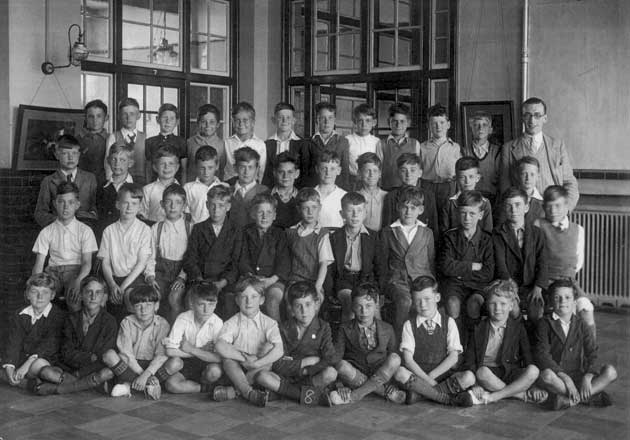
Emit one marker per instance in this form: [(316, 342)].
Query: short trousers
[(347, 280), (507, 378), (456, 289), (193, 368), (66, 275)]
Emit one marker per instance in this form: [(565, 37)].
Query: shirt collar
[(87, 318), (363, 230), (159, 182), (84, 132), (238, 139), (562, 224), (34, 318), (238, 187), (398, 224), (536, 194), (215, 181), (475, 238), (256, 319), (482, 148), (125, 132), (371, 327), (72, 226), (556, 317), (437, 319), (447, 141), (400, 141), (318, 134), (496, 327), (213, 136), (128, 179), (73, 173), (179, 224), (274, 190), (134, 321), (292, 137), (303, 230)]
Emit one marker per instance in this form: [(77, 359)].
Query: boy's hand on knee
[(140, 382), (73, 291), (535, 296), (178, 285), (586, 389), (572, 390), (151, 282), (115, 293)]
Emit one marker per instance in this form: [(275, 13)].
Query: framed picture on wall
[(36, 132), (502, 120)]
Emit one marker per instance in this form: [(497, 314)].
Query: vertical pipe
[(525, 51)]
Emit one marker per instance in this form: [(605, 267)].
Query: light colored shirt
[(142, 343), (232, 144), (117, 186), (172, 244), (324, 248), (367, 340), (481, 150), (65, 244), (283, 145), (196, 198), (534, 142), (124, 247), (29, 311), (87, 321), (330, 216), (151, 208), (536, 195), (73, 175), (563, 324), (250, 335), (408, 342), (438, 161), (373, 208), (359, 145), (409, 233), (495, 338), (242, 190), (185, 327), (563, 225)]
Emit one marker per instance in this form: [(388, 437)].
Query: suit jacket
[(527, 266), (264, 256), (371, 261), (515, 351), (559, 163), (348, 346), (403, 261), (45, 211), (457, 256), (300, 149), (429, 216), (239, 212)]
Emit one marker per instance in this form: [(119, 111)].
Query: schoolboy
[(431, 351), (34, 336), (245, 187), (466, 262), (138, 363), (286, 171), (309, 353), (369, 165), (208, 122), (169, 239), (125, 249), (265, 253), (565, 351), (69, 244), (397, 143), (92, 138), (309, 243), (520, 253), (366, 352), (361, 140), (328, 169), (499, 354), (528, 175), (165, 164), (487, 153), (327, 139), (206, 166), (439, 154), (214, 248), (129, 114), (67, 152), (407, 252), (356, 250), (243, 121), (168, 120), (467, 175), (285, 140), (249, 342), (194, 364)]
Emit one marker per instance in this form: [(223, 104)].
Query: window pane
[(97, 36), (349, 51), (297, 100), (96, 87), (441, 5), (217, 53), (408, 55), (384, 49), (218, 18), (384, 13), (166, 13), (96, 8), (136, 42), (151, 127), (170, 96), (441, 24), (349, 8), (322, 54), (297, 37), (199, 16), (323, 5), (404, 13), (198, 54), (165, 47), (153, 98), (439, 92), (136, 91), (198, 97), (441, 51), (136, 10)]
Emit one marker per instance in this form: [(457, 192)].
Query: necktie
[(69, 178), (529, 145), (132, 139), (430, 326)]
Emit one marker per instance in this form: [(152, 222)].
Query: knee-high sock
[(123, 372), (423, 388), (374, 383), (161, 374), (85, 383)]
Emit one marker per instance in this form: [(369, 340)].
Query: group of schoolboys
[(369, 225)]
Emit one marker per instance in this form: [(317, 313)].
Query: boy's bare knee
[(532, 372), (212, 373), (402, 375), (609, 372), (484, 373), (110, 358), (172, 384), (393, 360), (344, 368), (453, 306), (547, 376), (466, 379), (329, 374), (173, 364)]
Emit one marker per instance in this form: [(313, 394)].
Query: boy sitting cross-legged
[(249, 343), (431, 350), (244, 186), (193, 362), (309, 352), (366, 349)]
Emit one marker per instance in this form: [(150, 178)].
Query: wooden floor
[(88, 415)]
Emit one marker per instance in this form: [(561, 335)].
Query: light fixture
[(76, 53), (165, 53)]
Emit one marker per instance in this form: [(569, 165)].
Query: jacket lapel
[(484, 334), (340, 248), (402, 241), (557, 328), (510, 238), (420, 235), (366, 251)]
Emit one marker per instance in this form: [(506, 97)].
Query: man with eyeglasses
[(555, 165)]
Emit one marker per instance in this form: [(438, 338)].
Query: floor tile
[(117, 426)]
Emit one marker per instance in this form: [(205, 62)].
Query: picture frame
[(36, 132), (502, 112)]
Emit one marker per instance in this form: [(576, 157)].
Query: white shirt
[(151, 208), (564, 225), (565, 325), (232, 144), (329, 216), (186, 327), (481, 149), (359, 145), (173, 242), (408, 342), (73, 173), (536, 194), (409, 233), (250, 335), (242, 190), (124, 247), (537, 141), (196, 197), (284, 145), (117, 186), (65, 244), (34, 316)]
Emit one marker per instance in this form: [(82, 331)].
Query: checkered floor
[(90, 416)]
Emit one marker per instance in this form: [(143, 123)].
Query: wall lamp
[(76, 53)]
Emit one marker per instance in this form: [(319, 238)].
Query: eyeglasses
[(533, 115)]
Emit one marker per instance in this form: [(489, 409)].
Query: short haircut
[(367, 158), (203, 290), (127, 102), (244, 106), (286, 157), (503, 288), (514, 192), (246, 154), (133, 189), (301, 289), (527, 160), (168, 107), (470, 198), (424, 282), (436, 111), (96, 103), (206, 152), (67, 142), (307, 195), (208, 108), (563, 283), (363, 109), (407, 159), (142, 294), (42, 279), (352, 198), (93, 279), (250, 281), (369, 289), (165, 151), (120, 148), (410, 194), (328, 156), (261, 199), (481, 114), (219, 192), (399, 108), (325, 106), (533, 101), (466, 163), (67, 188), (174, 189), (554, 192), (283, 106)]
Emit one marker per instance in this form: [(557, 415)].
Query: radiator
[(605, 276)]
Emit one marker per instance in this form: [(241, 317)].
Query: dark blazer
[(210, 257), (515, 351), (429, 216), (527, 266), (264, 256), (300, 149), (45, 211), (371, 261), (338, 144), (457, 256), (239, 211), (403, 263), (574, 353), (348, 346), (77, 348)]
